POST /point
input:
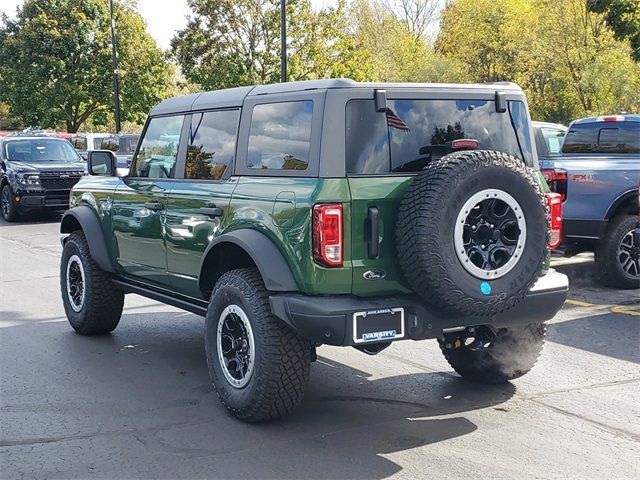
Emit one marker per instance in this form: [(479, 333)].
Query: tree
[(420, 16), (623, 17), (229, 43), (56, 61), (395, 52), (562, 54), (493, 39)]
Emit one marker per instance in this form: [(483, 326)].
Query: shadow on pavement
[(46, 216), (143, 395), (584, 286), (610, 334)]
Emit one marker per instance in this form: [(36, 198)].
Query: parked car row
[(38, 168), (594, 165)]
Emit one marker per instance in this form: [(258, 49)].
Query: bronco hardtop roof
[(233, 97)]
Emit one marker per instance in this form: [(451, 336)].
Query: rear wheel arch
[(241, 249), (84, 219), (627, 203)]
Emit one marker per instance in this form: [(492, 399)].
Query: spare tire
[(472, 232)]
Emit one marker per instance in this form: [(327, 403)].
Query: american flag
[(394, 121)]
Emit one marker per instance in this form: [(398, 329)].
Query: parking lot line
[(578, 303), (620, 309), (625, 311)]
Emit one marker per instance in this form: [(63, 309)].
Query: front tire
[(617, 257), (92, 302), (7, 206), (258, 365), (511, 354)]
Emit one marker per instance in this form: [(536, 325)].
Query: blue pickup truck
[(597, 173)]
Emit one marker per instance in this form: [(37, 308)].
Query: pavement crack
[(135, 431), (618, 432), (575, 389)]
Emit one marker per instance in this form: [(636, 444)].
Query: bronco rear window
[(413, 133)]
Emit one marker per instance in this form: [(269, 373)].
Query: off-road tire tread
[(104, 300), (287, 360), (607, 267), (496, 364), (417, 233)]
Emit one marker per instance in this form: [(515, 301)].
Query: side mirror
[(102, 162)]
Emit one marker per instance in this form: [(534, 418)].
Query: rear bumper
[(329, 320)]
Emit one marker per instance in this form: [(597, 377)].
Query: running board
[(193, 305)]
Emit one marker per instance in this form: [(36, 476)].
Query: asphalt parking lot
[(138, 403)]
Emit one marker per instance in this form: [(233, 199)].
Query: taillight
[(327, 234), (554, 203), (557, 180)]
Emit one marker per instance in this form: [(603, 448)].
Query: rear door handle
[(373, 243), (212, 212), (155, 206)]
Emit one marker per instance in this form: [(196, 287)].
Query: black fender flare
[(85, 217), (274, 269), (625, 197)]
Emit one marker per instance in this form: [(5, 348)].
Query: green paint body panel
[(166, 248), (257, 203), (189, 232), (383, 193)]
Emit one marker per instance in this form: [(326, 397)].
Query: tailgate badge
[(373, 275)]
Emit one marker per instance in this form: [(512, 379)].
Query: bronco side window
[(158, 151), (211, 144), (280, 136)]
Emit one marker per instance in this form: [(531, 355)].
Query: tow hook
[(474, 338)]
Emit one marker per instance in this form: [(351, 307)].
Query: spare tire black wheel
[(472, 232)]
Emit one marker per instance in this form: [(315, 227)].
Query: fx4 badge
[(374, 275)]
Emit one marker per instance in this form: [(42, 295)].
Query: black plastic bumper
[(58, 198), (329, 320)]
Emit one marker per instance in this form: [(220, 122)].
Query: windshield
[(40, 150)]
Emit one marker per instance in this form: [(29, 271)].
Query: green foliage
[(229, 43), (396, 54), (623, 17), (564, 56), (56, 59), (7, 120)]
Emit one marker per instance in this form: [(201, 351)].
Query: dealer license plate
[(378, 325)]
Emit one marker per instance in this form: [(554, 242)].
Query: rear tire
[(616, 251), (7, 206), (258, 365), (92, 302), (512, 353)]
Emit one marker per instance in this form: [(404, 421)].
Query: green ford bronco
[(324, 212)]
